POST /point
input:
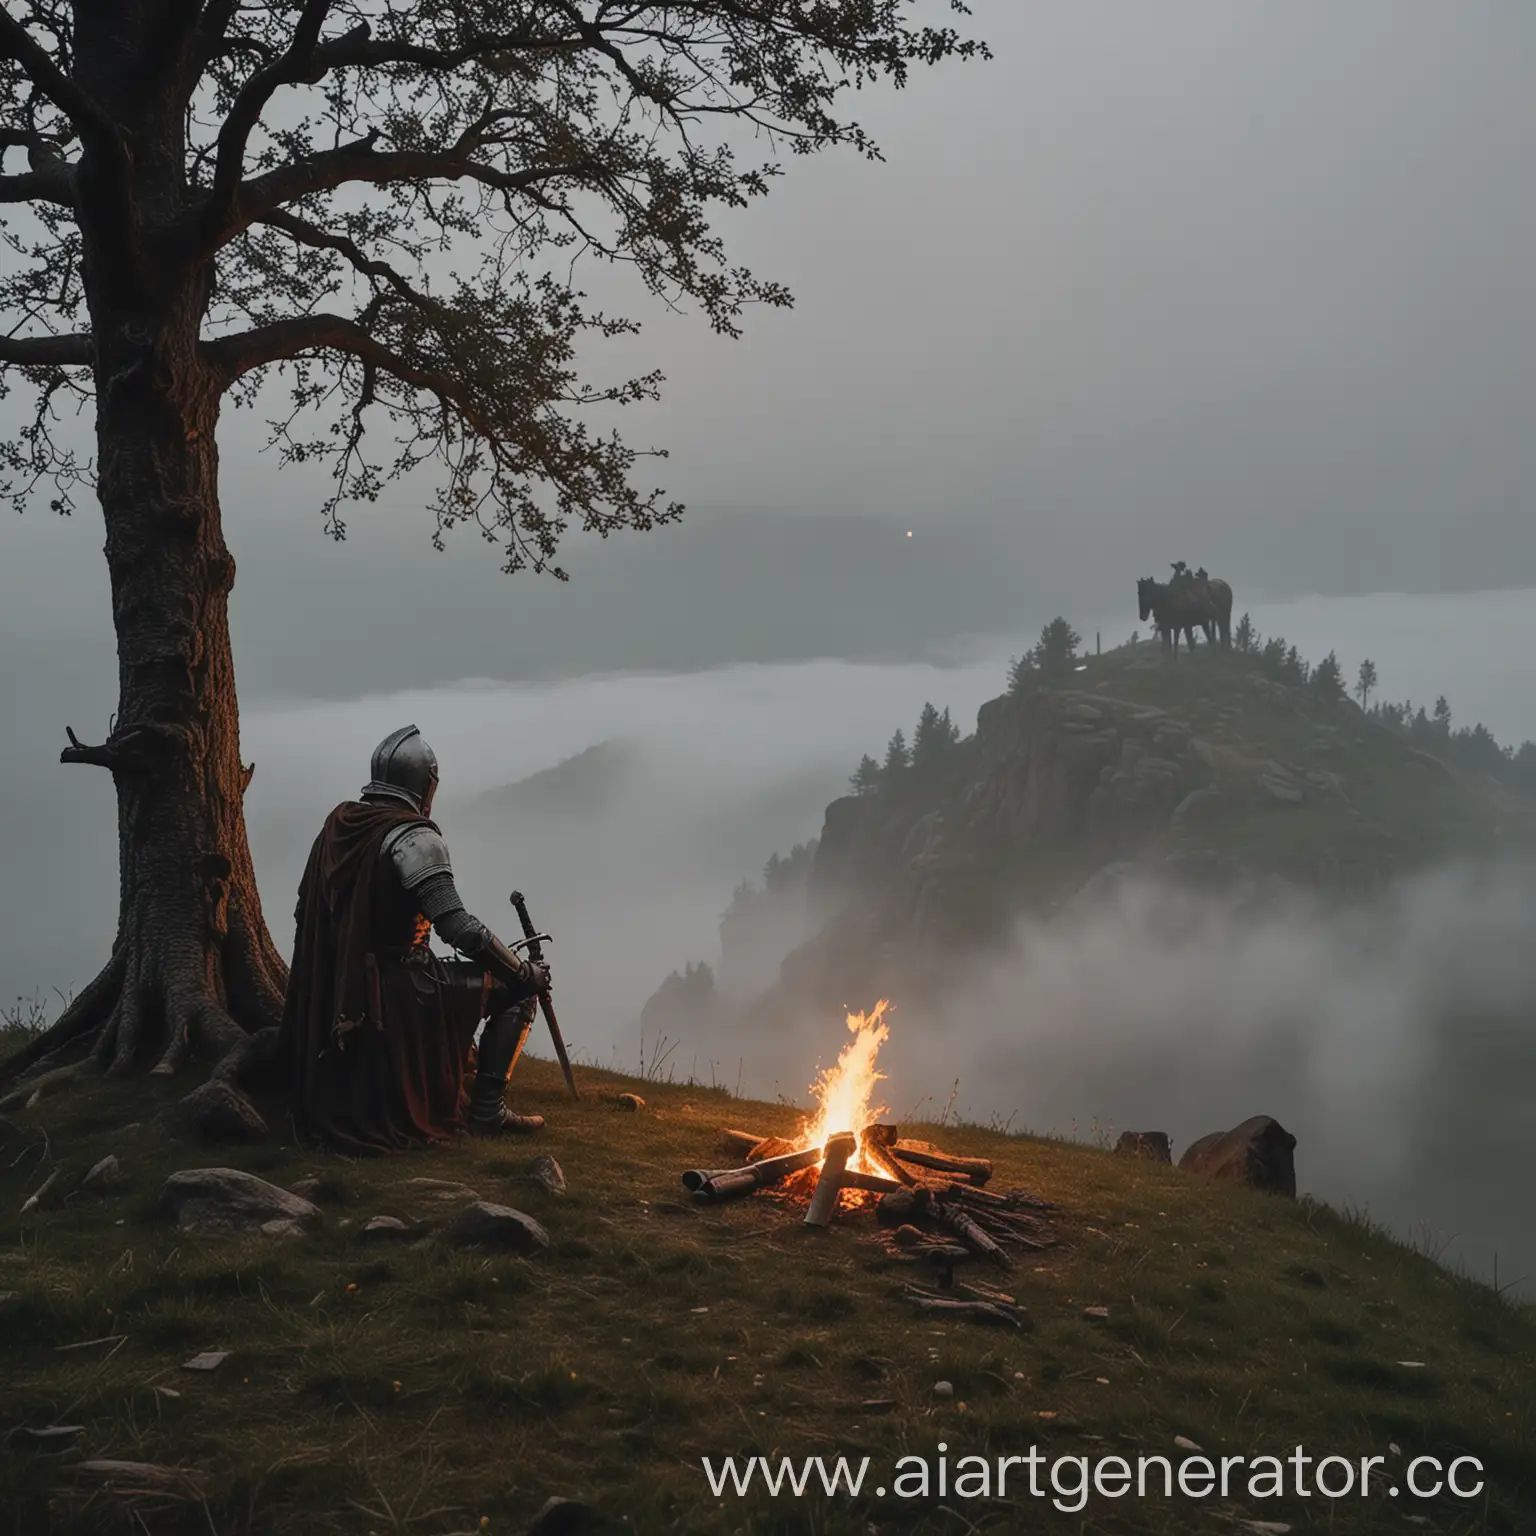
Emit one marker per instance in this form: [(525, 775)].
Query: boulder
[(218, 1111), (485, 1225), (563, 1517), (1149, 1146), (226, 1200), (1259, 1153)]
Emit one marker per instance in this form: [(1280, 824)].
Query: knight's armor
[(404, 768)]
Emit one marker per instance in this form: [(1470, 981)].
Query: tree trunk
[(193, 967)]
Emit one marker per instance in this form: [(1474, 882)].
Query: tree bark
[(193, 968)]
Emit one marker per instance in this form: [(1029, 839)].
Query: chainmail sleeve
[(440, 903)]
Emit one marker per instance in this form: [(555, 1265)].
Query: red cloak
[(376, 1051)]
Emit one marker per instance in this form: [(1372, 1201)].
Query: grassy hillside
[(416, 1388)]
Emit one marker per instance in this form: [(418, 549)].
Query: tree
[(1327, 678), (865, 779), (1365, 683), (1056, 650), (381, 206), (1295, 670), (897, 758), (1021, 672), (1245, 637), (1442, 716), (931, 740)]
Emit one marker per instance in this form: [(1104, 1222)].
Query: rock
[(1150, 1146), (630, 1102), (546, 1171), (306, 1186), (1259, 1153), (223, 1200), (383, 1227), (104, 1175), (1326, 782), (47, 1191), (1278, 786), (563, 1517), (1097, 1314), (483, 1224), (209, 1360), (1197, 807), (281, 1226), (218, 1111), (943, 1389)]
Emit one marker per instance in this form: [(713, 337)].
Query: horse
[(1170, 607), (1184, 603)]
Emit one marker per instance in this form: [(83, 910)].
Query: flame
[(844, 1093)]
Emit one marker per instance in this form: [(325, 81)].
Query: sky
[(1248, 285)]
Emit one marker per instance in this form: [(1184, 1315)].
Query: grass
[(414, 1388)]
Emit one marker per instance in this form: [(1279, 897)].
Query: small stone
[(943, 1389), (562, 1517), (384, 1227), (483, 1223), (1098, 1314), (908, 1236), (629, 1102), (281, 1226), (221, 1200), (219, 1112), (546, 1171), (209, 1360), (1185, 1444), (56, 1432), (104, 1175), (307, 1187)]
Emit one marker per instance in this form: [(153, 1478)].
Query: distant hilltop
[(1247, 772)]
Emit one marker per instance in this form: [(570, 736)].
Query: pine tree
[(865, 779), (897, 758), (1365, 683), (950, 729), (1296, 670), (1245, 637), (1328, 677), (1056, 649), (1442, 717), (1021, 673), (931, 741)]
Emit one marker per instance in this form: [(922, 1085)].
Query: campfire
[(848, 1158)]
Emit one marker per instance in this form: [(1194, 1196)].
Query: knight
[(377, 1028)]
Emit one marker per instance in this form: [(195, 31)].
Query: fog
[(1394, 1042)]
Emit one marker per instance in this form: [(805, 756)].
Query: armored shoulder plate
[(416, 851)]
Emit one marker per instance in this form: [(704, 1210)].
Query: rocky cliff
[(1206, 772)]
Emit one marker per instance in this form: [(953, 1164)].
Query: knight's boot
[(501, 1042)]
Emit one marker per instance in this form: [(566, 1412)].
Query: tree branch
[(291, 68), (47, 351), (360, 162), (52, 183), (305, 233), (90, 119)]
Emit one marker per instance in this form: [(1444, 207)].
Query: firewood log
[(829, 1183), (743, 1142), (970, 1232), (977, 1169), (880, 1159)]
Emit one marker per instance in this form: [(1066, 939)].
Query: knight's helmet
[(404, 768)]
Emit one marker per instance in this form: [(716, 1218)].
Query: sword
[(533, 939)]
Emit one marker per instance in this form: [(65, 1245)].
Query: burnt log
[(977, 1169), (834, 1166), (877, 1155), (903, 1207), (714, 1186), (973, 1235), (743, 1142), (874, 1183)]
